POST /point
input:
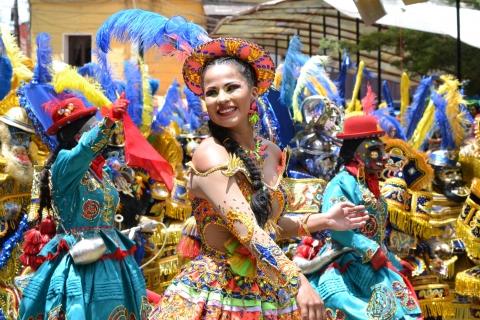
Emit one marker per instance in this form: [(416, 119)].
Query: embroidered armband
[(241, 225), (103, 136)]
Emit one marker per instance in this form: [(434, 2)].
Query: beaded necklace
[(258, 154)]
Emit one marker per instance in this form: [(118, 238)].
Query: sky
[(5, 11)]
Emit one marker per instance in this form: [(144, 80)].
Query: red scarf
[(97, 166), (370, 179)]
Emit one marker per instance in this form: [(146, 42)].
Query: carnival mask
[(449, 181), (448, 176), (371, 152)]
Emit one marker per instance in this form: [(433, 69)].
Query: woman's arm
[(225, 195), (340, 217)]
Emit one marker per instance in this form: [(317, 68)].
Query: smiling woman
[(239, 198)]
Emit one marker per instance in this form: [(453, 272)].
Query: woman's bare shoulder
[(209, 154)]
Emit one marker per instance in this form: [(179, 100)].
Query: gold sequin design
[(109, 203), (102, 142), (238, 217), (89, 182)]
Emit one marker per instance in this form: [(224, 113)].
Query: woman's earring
[(253, 116)]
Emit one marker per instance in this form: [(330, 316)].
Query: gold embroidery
[(102, 142), (236, 219), (233, 165)]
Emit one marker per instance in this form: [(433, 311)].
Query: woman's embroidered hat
[(64, 112), (249, 52), (360, 126)]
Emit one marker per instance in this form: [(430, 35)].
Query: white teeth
[(226, 110)]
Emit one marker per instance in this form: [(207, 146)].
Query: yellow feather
[(355, 104), (404, 96), (454, 114), (277, 81), (69, 78), (22, 65), (424, 126), (147, 100)]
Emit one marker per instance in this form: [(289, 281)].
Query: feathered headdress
[(195, 111), (134, 90), (404, 96), (6, 71), (442, 123), (172, 110), (342, 76), (313, 80), (294, 60), (458, 116), (354, 104), (416, 110), (369, 101), (148, 29), (15, 68), (388, 98), (42, 73)]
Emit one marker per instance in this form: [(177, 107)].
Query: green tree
[(423, 53)]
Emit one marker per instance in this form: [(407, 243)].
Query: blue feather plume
[(195, 111), (104, 76), (134, 91), (389, 124), (90, 69), (147, 29), (388, 97), (294, 60), (342, 76), (417, 108), (154, 85), (42, 74), (168, 113), (6, 71), (174, 98), (441, 119)]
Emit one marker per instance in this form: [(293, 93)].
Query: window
[(78, 49)]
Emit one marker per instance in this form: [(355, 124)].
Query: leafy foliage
[(424, 53)]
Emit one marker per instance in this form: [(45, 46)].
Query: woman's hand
[(345, 216), (310, 304)]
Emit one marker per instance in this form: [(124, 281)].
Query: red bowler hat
[(64, 112), (361, 126)]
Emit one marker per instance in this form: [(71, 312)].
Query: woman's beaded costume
[(249, 278)]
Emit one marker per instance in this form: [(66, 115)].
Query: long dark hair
[(260, 200), (66, 140), (347, 152)]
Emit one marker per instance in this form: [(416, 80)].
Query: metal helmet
[(17, 117)]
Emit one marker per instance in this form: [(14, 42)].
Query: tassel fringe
[(472, 243), (467, 285), (411, 224), (437, 307)]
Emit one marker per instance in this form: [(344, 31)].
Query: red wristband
[(379, 259)]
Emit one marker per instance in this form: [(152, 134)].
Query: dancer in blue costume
[(363, 283), (89, 272)]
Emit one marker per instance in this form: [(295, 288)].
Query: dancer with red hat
[(360, 282), (89, 271)]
